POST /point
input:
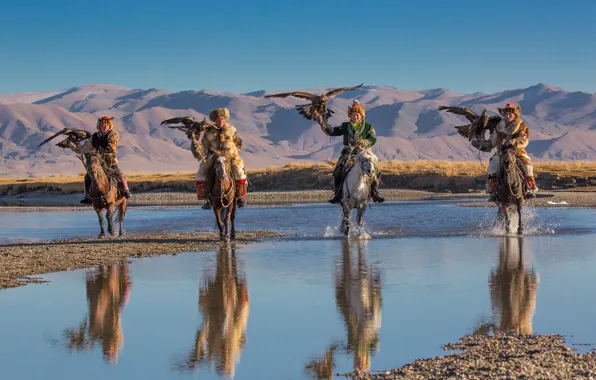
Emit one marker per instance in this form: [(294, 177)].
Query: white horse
[(356, 188)]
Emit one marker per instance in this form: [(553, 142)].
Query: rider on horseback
[(357, 134), (105, 142), (510, 132), (223, 140)]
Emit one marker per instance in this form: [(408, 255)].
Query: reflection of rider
[(108, 290), (105, 141), (217, 141), (224, 305), (357, 134), (358, 298), (511, 131), (513, 289)]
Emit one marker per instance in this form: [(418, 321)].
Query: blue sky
[(462, 45)]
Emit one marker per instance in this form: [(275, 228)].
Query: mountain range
[(407, 123)]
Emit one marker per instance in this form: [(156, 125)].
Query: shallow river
[(291, 308)]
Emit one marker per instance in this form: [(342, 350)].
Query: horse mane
[(369, 155)]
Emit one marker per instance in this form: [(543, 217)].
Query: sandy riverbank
[(497, 357), (18, 262)]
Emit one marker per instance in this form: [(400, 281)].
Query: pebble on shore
[(499, 356)]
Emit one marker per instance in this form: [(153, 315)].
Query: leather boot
[(337, 182), (490, 188), (374, 191), (86, 186)]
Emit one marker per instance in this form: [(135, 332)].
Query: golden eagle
[(318, 102), (189, 125), (478, 124), (74, 136)]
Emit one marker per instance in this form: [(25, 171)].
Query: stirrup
[(206, 206), (240, 202)]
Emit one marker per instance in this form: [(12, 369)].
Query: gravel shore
[(39, 200), (497, 357), (18, 262)]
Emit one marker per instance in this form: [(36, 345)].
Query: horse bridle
[(218, 173)]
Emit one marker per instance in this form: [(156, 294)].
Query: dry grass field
[(423, 175)]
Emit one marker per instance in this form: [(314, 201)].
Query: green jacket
[(365, 135)]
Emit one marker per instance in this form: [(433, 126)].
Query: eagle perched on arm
[(478, 124), (318, 102)]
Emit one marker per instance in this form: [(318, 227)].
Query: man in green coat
[(357, 134)]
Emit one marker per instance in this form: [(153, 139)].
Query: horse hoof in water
[(122, 233), (101, 236)]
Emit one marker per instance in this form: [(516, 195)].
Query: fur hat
[(510, 107), (105, 120), (223, 112), (356, 107)]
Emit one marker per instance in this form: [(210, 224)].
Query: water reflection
[(224, 305), (358, 300), (512, 291), (108, 290)]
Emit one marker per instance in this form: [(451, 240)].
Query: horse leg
[(232, 223), (359, 215), (110, 217), (520, 227), (99, 212), (217, 212), (121, 213), (347, 218), (227, 212), (507, 219)]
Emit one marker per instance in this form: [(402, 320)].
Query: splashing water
[(532, 225)]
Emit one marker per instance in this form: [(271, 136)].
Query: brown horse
[(223, 197), (104, 194), (510, 191)]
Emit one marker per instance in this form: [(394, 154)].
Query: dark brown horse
[(223, 197), (510, 190), (104, 195)]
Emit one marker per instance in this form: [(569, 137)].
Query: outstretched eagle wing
[(78, 134), (297, 94), (342, 89), (469, 114)]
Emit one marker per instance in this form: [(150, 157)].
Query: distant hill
[(408, 125)]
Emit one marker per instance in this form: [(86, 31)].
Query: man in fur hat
[(511, 131), (223, 139), (357, 134), (105, 141)]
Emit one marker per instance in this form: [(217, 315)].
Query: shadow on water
[(223, 304)]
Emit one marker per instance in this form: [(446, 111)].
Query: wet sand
[(497, 357), (18, 262)]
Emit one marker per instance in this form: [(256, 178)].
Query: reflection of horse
[(322, 368), (356, 186), (224, 304), (108, 289), (512, 291), (104, 194), (510, 190), (358, 299), (223, 197)]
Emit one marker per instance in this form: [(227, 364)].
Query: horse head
[(221, 168), (367, 162)]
